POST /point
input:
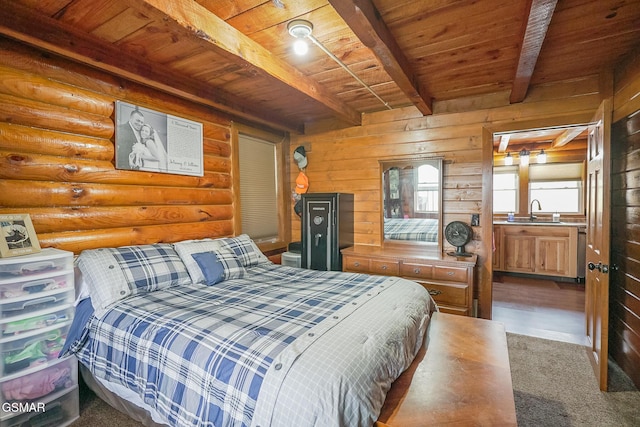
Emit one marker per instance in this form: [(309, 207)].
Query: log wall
[(57, 159), (346, 160), (624, 321)]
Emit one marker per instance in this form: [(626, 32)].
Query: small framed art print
[(17, 235)]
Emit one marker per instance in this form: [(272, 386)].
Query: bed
[(210, 332), (416, 229)]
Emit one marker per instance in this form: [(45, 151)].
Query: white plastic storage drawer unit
[(36, 309)]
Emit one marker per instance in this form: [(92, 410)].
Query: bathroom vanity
[(542, 248)]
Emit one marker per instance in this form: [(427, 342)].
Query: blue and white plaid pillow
[(116, 273), (231, 265), (245, 249)]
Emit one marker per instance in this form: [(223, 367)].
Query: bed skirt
[(138, 411)]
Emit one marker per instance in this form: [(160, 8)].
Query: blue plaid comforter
[(198, 355), (420, 229)]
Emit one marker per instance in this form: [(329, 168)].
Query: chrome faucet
[(533, 217)]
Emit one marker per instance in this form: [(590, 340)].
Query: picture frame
[(151, 141), (17, 235)]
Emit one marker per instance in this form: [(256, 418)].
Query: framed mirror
[(412, 201)]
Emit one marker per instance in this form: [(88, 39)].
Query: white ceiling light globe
[(300, 47)]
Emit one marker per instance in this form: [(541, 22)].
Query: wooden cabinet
[(536, 249), (448, 279), (519, 253)]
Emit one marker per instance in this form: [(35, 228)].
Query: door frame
[(485, 285)]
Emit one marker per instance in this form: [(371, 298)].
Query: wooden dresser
[(448, 279)]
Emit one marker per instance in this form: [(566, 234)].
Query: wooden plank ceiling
[(236, 55)]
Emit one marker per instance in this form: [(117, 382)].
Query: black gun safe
[(327, 227)]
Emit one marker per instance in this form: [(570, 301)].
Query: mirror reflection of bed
[(411, 191)]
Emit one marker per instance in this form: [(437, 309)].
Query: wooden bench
[(461, 376)]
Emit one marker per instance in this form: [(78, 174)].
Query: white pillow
[(189, 247)]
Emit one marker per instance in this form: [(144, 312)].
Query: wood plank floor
[(540, 307)]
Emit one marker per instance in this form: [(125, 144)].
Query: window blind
[(555, 172), (258, 184)]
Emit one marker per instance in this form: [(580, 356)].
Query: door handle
[(318, 236), (604, 268)]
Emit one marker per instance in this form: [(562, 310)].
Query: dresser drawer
[(418, 271), (388, 268), (351, 263), (449, 280), (449, 274), (450, 293)]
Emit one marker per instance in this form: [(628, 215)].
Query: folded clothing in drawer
[(57, 411), (16, 289), (23, 305), (49, 259), (12, 326), (20, 353), (51, 378)]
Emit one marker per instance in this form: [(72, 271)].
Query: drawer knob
[(434, 292), (384, 267), (416, 270), (449, 273), (356, 264)]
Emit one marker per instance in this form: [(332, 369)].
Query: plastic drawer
[(54, 377), (32, 286), (47, 260), (25, 305), (25, 352), (25, 323), (57, 411)]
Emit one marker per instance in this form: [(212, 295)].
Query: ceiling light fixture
[(301, 29), (524, 157), (542, 157), (508, 160)]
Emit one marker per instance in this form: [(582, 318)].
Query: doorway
[(529, 304)]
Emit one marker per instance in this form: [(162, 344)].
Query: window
[(258, 165), (427, 185), (505, 189), (558, 187)]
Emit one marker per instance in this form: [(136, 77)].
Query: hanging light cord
[(335, 58)]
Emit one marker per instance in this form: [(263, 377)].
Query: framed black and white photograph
[(18, 236), (152, 141)]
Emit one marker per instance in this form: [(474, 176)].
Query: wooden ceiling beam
[(364, 20), (567, 136), (240, 49), (535, 30), (22, 24), (504, 143)]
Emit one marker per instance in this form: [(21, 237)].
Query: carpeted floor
[(553, 384)]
